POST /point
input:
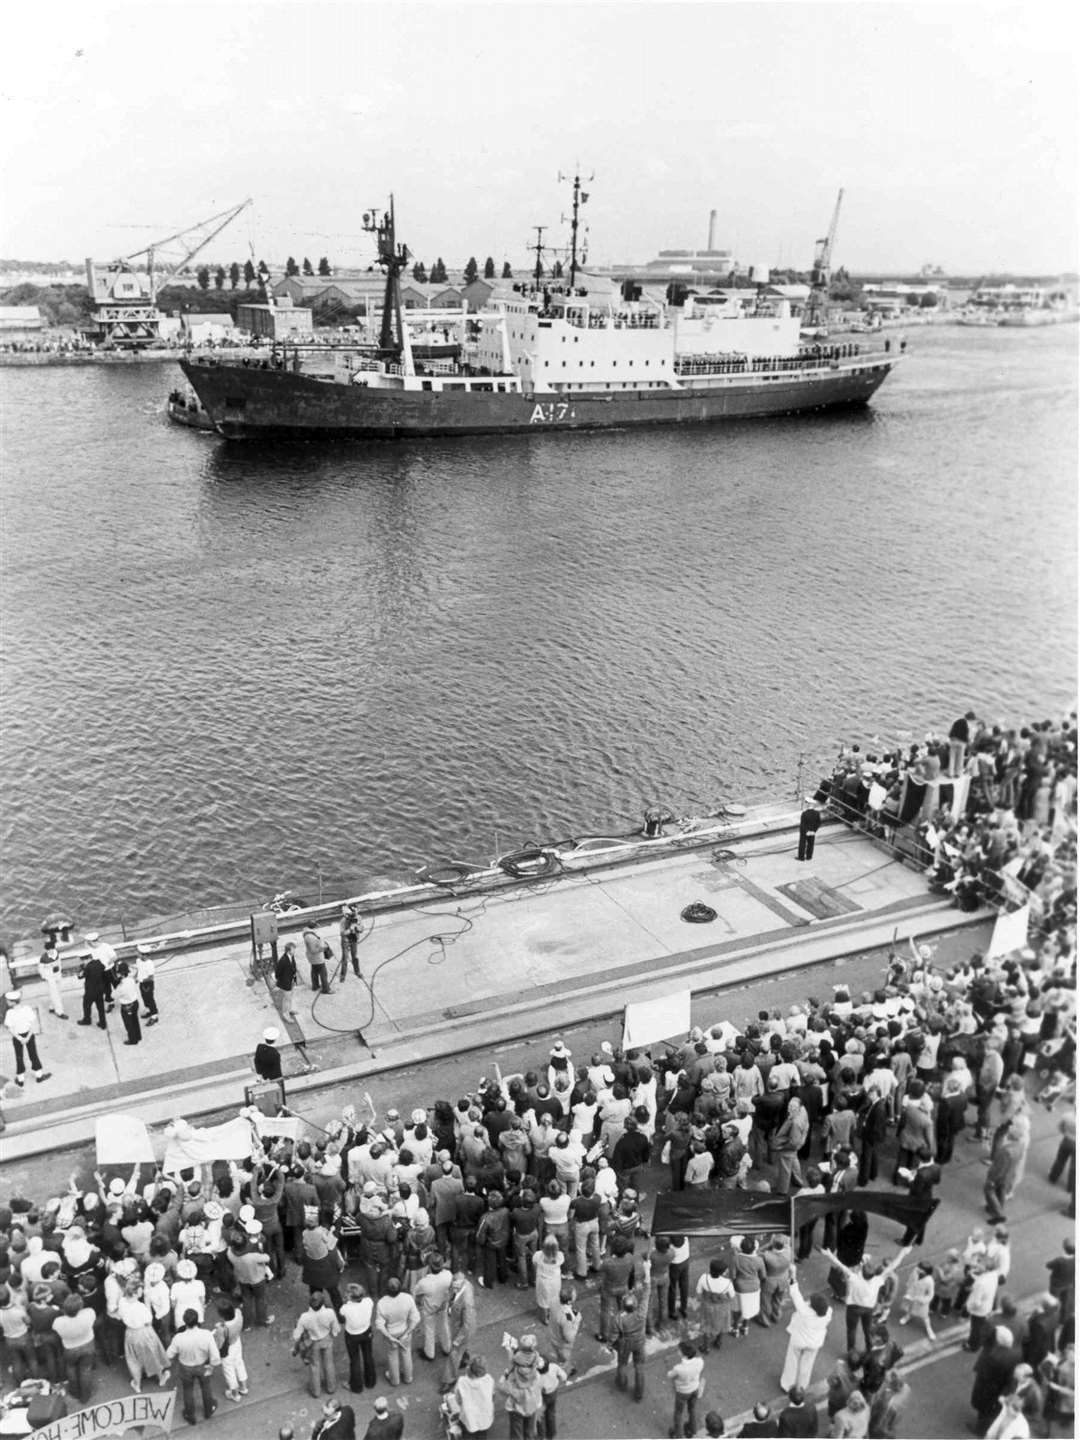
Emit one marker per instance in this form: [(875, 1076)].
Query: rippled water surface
[(227, 668)]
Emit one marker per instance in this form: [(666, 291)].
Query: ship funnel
[(712, 230)]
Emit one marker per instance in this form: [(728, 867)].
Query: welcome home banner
[(153, 1411)]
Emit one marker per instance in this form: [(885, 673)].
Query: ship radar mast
[(393, 258), (538, 247), (580, 198)]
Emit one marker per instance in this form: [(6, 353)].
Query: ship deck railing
[(728, 364), (903, 841), (582, 319)]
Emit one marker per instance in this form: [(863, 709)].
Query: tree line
[(206, 276), (437, 274), (250, 273), (59, 304)]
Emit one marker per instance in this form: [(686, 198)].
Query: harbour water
[(230, 669)]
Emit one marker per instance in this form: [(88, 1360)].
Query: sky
[(952, 128)]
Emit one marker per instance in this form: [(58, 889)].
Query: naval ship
[(589, 355)]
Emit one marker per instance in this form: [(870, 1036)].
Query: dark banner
[(720, 1212), (901, 1208), (751, 1212)]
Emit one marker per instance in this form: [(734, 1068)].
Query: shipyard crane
[(180, 249), (125, 315), (821, 271)]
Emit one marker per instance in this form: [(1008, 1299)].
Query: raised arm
[(830, 1255), (897, 1260), (797, 1296)]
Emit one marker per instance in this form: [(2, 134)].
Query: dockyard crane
[(187, 244), (123, 313), (821, 271)]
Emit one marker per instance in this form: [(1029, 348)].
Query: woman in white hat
[(156, 1296), (216, 1244), (561, 1074), (187, 1293)]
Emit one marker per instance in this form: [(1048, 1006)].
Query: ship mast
[(393, 258), (580, 198), (538, 268)]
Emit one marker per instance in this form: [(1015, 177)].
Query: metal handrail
[(991, 891)]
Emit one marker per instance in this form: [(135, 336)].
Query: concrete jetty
[(461, 967)]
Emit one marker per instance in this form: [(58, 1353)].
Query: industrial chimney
[(712, 229)]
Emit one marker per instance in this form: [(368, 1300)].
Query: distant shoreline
[(127, 357)]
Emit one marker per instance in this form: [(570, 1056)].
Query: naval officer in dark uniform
[(809, 821)]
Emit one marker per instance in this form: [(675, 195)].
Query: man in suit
[(993, 1376), (921, 1182), (461, 1316), (873, 1129), (287, 979), (337, 1422), (809, 821), (442, 1194), (762, 1424), (95, 988), (785, 1145), (798, 1418), (844, 1177), (385, 1425)]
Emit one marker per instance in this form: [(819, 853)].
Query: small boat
[(187, 409)]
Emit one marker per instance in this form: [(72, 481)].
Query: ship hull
[(253, 403)]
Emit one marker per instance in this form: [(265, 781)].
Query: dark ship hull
[(249, 402)]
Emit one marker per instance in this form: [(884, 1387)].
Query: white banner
[(286, 1126), (1010, 933), (188, 1147), (122, 1140), (647, 1020), (153, 1411)]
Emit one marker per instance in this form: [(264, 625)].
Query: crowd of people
[(991, 811), (83, 347), (400, 1224), (400, 1227)]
